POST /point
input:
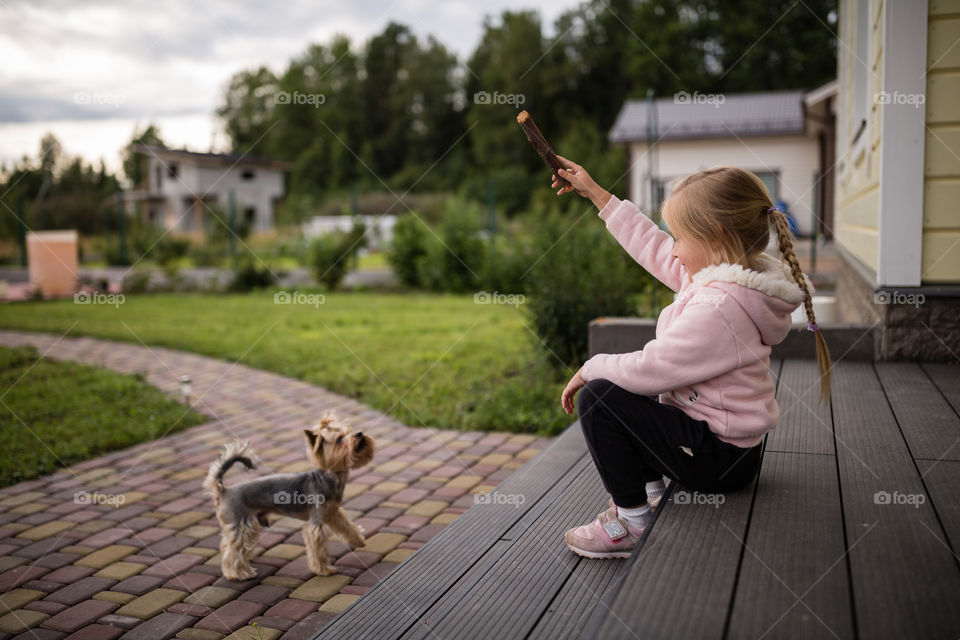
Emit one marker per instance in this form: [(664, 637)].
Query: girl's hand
[(581, 181), (566, 399)]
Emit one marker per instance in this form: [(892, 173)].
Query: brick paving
[(126, 545)]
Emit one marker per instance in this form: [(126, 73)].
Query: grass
[(58, 413), (429, 360)]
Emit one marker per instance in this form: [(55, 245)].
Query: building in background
[(897, 224), (785, 137), (181, 188)]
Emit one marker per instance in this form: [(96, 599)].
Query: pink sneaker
[(606, 537)]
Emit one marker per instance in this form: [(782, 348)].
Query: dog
[(313, 496)]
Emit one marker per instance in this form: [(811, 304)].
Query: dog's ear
[(312, 439)]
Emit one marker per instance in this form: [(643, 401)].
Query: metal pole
[(354, 200), (121, 229), (23, 231), (491, 206), (233, 223)]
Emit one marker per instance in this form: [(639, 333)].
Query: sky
[(91, 71)]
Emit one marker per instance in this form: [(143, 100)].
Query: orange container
[(52, 260)]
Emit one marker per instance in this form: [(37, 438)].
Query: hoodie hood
[(769, 296)]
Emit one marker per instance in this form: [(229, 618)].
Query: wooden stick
[(543, 148)]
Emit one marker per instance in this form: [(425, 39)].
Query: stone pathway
[(126, 545)]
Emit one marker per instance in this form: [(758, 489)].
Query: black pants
[(636, 439)]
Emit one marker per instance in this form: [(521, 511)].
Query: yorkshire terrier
[(313, 496)]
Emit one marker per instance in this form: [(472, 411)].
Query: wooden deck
[(850, 531)]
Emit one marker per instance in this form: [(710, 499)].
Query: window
[(247, 175), (771, 182), (173, 170)]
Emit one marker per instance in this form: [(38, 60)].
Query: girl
[(710, 361)]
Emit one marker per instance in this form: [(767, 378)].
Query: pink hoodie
[(711, 356)]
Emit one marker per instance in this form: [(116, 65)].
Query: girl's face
[(691, 253)]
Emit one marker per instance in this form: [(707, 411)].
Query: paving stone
[(285, 551), (115, 596), (427, 532), (270, 622), (444, 518), (79, 615), (199, 634), (106, 537), (265, 594), (185, 519), (280, 581), (190, 582), (21, 620), (338, 603), (138, 585), (46, 530), (212, 597), (56, 560), (398, 555), (96, 632), (106, 556), (354, 590), (258, 632), (169, 567), (42, 547), (320, 588), (46, 607), (408, 523), (195, 610), (359, 559), (307, 628), (120, 570), (80, 590), (292, 609), (169, 546), (18, 575), (69, 574), (17, 598), (155, 534), (164, 626), (151, 603), (374, 574), (231, 616), (382, 543), (124, 622), (427, 508)]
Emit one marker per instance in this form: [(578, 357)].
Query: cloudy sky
[(92, 70)]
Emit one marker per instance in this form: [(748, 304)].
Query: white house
[(782, 136), (179, 183)]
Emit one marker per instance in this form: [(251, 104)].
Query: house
[(181, 188), (785, 137), (897, 225)]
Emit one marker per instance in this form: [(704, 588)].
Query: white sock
[(639, 517), (655, 489)]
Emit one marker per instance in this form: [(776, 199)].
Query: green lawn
[(429, 360), (58, 413)]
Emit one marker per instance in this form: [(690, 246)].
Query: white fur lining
[(775, 279)]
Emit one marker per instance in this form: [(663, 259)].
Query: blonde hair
[(727, 211)]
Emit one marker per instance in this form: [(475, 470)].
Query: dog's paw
[(358, 541), (326, 570)]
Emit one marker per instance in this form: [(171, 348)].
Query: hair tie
[(771, 209), (812, 326)]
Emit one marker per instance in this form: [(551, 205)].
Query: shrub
[(583, 274), (408, 245), (507, 263), (454, 261), (251, 274), (334, 254)]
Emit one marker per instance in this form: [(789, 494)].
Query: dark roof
[(686, 115), (214, 159)]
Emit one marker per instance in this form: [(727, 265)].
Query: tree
[(134, 162)]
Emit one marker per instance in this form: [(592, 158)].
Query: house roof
[(213, 159), (686, 116)]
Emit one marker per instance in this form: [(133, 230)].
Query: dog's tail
[(234, 452)]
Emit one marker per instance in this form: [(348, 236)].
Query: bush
[(508, 261), (585, 275), (169, 249), (454, 262), (408, 245), (251, 274), (334, 254)]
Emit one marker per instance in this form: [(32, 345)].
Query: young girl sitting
[(710, 361)]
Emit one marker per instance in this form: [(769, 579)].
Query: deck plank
[(396, 603), (805, 424), (904, 580), (942, 479), (509, 599), (947, 378), (793, 579), (929, 424), (679, 584)]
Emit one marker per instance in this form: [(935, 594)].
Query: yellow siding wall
[(941, 186), (857, 207)]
